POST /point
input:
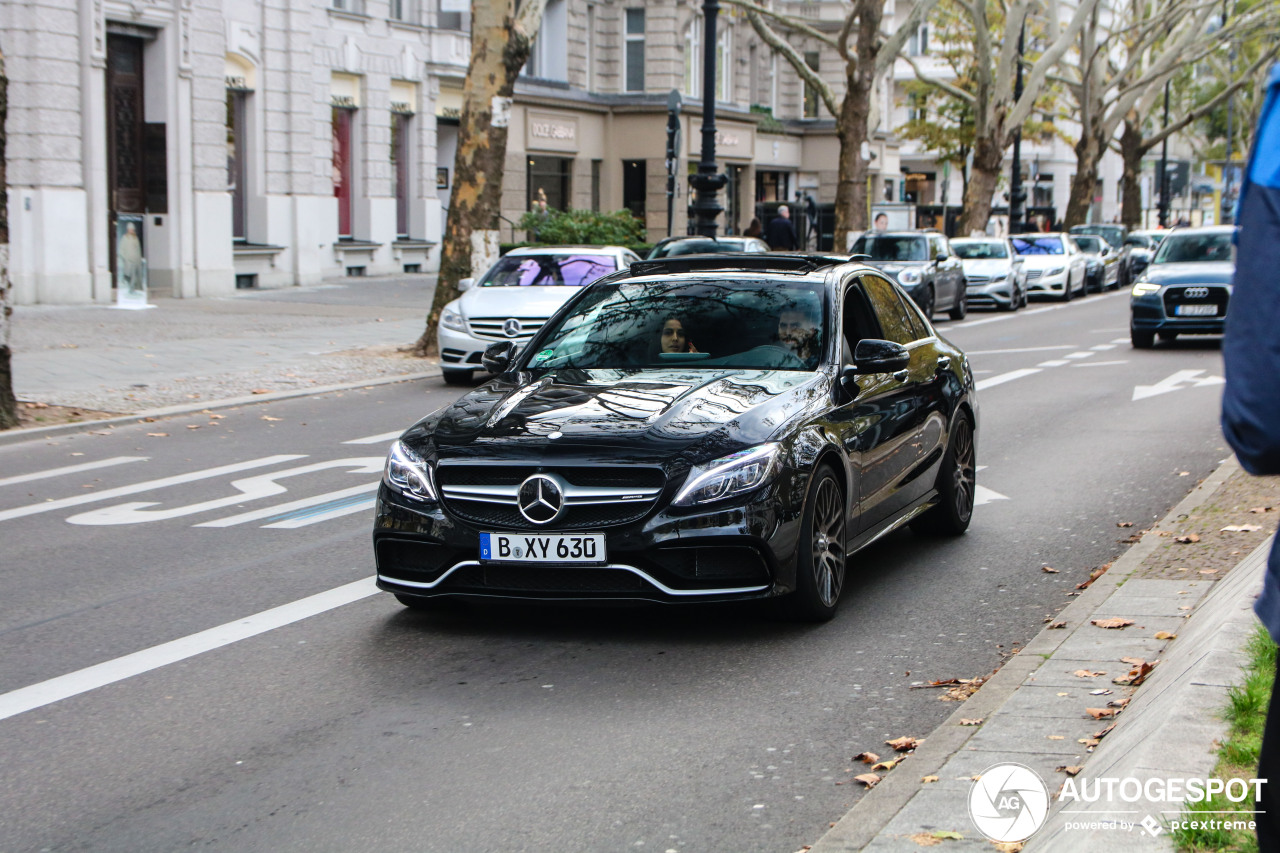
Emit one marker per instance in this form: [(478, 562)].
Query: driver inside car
[(798, 332)]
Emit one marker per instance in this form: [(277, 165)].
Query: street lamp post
[(673, 153), (1164, 165), (1017, 195), (707, 182)]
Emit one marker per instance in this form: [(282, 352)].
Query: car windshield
[(891, 248), (979, 251), (1037, 245), (761, 324), (568, 268), (1113, 234), (1193, 248), (1092, 245), (695, 247)]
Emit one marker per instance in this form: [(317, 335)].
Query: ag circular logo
[(1009, 802)]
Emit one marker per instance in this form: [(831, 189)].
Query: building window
[(724, 65), (236, 171), (753, 77), (596, 167), (400, 162), (550, 177), (548, 60), (634, 187), (453, 15), (693, 58), (811, 92), (635, 50), (354, 6), (343, 119), (917, 107), (771, 186), (918, 42), (591, 48)]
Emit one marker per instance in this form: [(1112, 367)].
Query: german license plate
[(1196, 310), (542, 548)]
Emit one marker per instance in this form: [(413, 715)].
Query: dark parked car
[(1187, 287), (673, 246), (923, 264), (1141, 246), (805, 409), (1102, 263), (1114, 236)]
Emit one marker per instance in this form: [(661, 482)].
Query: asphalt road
[(350, 723)]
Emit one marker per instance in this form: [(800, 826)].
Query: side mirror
[(499, 357), (465, 284), (942, 256), (876, 356)]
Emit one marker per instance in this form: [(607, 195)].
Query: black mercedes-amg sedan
[(701, 428)]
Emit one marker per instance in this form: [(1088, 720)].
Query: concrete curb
[(870, 815), (15, 436)]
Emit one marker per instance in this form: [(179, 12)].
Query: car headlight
[(407, 473), (1144, 288), (453, 320), (1055, 271), (729, 476), (909, 277), (1001, 277)]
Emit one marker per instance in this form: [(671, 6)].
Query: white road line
[(1057, 362), (1099, 364), (1005, 377), (71, 469), (1080, 354), (1103, 347), (376, 439), (281, 509), (78, 500), (983, 495), (1120, 341), (109, 672), (1011, 351)]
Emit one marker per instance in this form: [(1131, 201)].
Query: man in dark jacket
[(1251, 399), (781, 234)]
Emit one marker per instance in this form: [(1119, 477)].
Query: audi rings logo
[(541, 498), (512, 328), (1196, 292), (1008, 802)]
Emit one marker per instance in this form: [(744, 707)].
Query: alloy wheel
[(963, 479), (828, 542)]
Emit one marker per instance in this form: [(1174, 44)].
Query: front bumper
[(990, 294), (1157, 312), (1047, 285), (728, 553), (462, 350)]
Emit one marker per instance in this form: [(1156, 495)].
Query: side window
[(895, 322), (919, 326), (858, 321)]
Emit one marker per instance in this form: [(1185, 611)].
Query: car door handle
[(901, 375)]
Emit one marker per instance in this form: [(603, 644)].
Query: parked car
[(1187, 287), (1113, 236), (1102, 263), (515, 297), (923, 264), (992, 272), (806, 410), (1142, 247), (1054, 265), (672, 246)]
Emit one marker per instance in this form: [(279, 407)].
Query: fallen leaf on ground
[(1088, 673), (157, 434), (1133, 661), (927, 779), (1070, 769), (1261, 509), (887, 765), (1136, 675), (868, 779), (1007, 846), (1089, 741), (1185, 607), (1184, 473), (269, 418), (1119, 703), (1208, 571), (1100, 735), (1124, 524), (1100, 713), (193, 426), (1132, 538), (1241, 528), (924, 839), (1189, 539), (975, 722), (903, 744), (1093, 576), (1165, 635), (1101, 692), (1049, 570), (948, 835), (1056, 737), (1056, 625), (867, 757), (260, 391), (1115, 622)]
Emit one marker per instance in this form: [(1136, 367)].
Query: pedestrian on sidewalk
[(780, 234), (1251, 399)]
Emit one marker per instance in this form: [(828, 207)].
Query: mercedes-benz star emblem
[(541, 498), (511, 328)]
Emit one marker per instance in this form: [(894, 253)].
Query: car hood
[(1199, 272), (986, 266), (534, 301), (654, 414)]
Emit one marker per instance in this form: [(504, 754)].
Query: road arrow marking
[(1175, 382), (983, 495)]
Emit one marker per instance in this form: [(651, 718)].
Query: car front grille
[(1034, 275), (493, 328), (595, 496), (1211, 294), (977, 280)]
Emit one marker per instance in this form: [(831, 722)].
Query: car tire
[(1066, 290), (1025, 296), (456, 377), (820, 564), (1142, 338), (951, 515), (960, 309), (1168, 337), (926, 304)]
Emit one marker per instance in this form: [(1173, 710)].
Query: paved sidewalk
[(1033, 711)]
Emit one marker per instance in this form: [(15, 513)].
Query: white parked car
[(515, 297), (1054, 264), (993, 273)]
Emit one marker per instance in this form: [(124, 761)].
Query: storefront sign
[(735, 142), (551, 132)]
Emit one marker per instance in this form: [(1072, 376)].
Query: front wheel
[(821, 562), (1141, 338), (926, 303), (1066, 290), (956, 485), (456, 377), (959, 309)]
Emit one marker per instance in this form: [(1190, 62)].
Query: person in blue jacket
[(1251, 398)]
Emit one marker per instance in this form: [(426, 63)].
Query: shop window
[(634, 187), (597, 167), (342, 120), (550, 177), (635, 50)]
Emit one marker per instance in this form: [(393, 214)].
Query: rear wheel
[(456, 377), (821, 562), (956, 485), (926, 303), (959, 309), (1066, 290), (1141, 338)]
